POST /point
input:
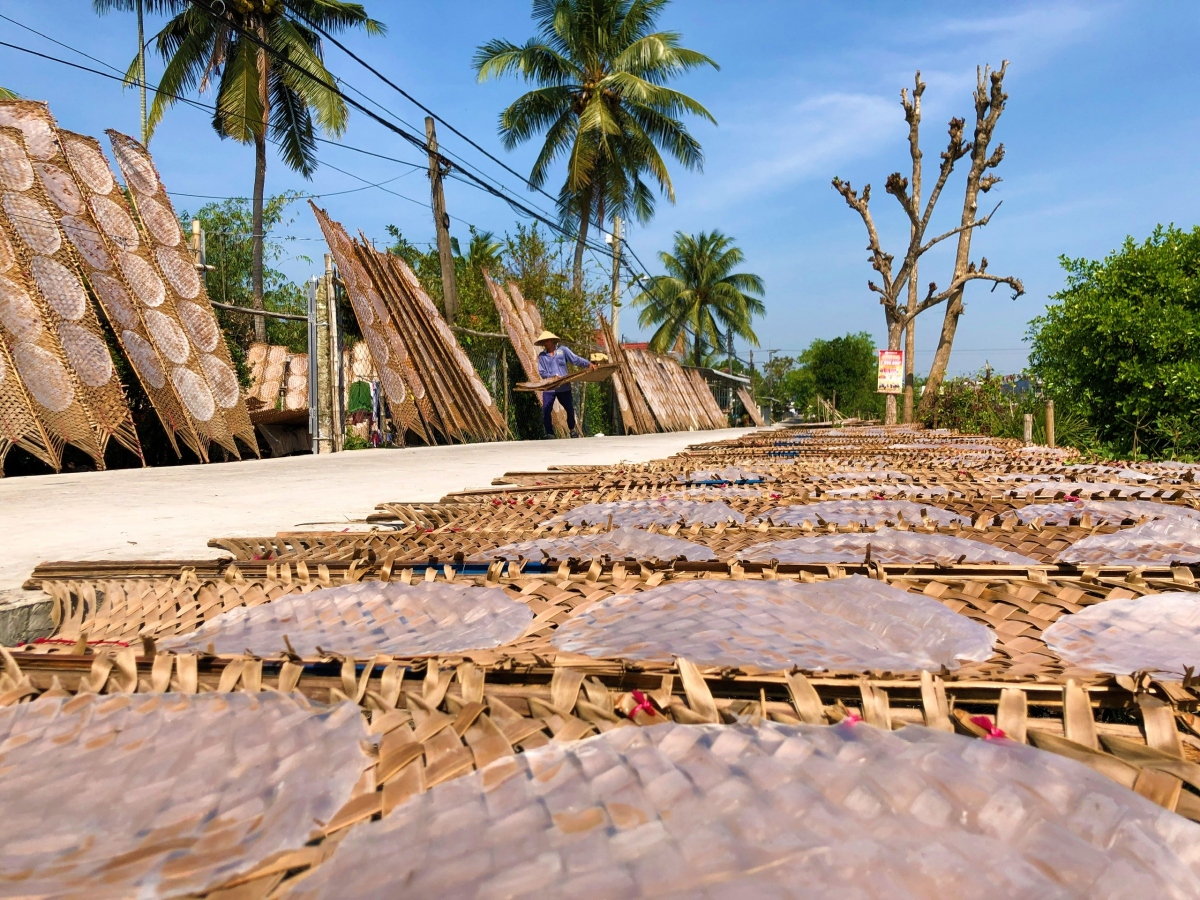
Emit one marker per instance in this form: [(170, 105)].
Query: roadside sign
[(891, 372)]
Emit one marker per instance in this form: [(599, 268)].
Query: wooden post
[(441, 222), (616, 277), (337, 424), (1050, 424), (197, 244), (323, 439), (1028, 428)]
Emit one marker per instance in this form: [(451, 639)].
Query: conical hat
[(546, 336)]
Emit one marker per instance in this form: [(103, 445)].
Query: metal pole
[(314, 384), (441, 222), (616, 276)]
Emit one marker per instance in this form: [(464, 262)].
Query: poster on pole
[(891, 372)]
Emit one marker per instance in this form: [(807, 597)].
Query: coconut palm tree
[(141, 7), (602, 103), (6, 94), (259, 97), (701, 295)]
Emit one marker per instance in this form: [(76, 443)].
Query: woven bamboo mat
[(189, 296), (444, 715)]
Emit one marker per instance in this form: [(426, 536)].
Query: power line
[(346, 50), (411, 138), (472, 179)]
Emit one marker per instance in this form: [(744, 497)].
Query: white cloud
[(812, 138)]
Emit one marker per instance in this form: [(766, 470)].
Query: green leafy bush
[(1120, 347)]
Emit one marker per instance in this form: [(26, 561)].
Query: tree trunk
[(895, 331), (697, 358), (987, 113), (580, 242), (260, 178), (910, 340)]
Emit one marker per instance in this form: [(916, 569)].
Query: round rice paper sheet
[(60, 286), (393, 385), (88, 355), (19, 314), (137, 168), (60, 188), (195, 393), (88, 241), (115, 222), (39, 138), (143, 279), (223, 380), (144, 359), (180, 271), (90, 165), (167, 336), (46, 377), (115, 299), (16, 174), (33, 223), (162, 225), (201, 326), (770, 810)]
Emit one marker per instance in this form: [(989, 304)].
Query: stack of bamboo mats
[(552, 686)]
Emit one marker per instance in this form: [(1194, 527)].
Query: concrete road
[(172, 512)]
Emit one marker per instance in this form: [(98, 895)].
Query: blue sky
[(1100, 135)]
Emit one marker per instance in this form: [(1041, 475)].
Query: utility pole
[(616, 277), (441, 222)]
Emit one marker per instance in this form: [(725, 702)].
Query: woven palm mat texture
[(457, 719), (445, 715), (107, 796), (416, 543)]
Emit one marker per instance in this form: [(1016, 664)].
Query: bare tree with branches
[(901, 318)]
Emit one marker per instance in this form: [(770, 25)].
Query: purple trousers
[(568, 403)]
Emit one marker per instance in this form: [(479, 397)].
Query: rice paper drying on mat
[(861, 512), (620, 543), (771, 811), (888, 490), (1156, 543), (365, 619), (147, 795), (1078, 488), (712, 491), (1101, 512), (851, 623), (1158, 633), (641, 513), (887, 546), (728, 473)]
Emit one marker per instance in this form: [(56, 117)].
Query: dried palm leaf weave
[(79, 181), (182, 321), (64, 404), (458, 730)]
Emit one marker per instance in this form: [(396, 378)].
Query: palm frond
[(239, 112), (313, 85), (292, 127)]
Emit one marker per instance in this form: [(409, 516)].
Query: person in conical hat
[(552, 363)]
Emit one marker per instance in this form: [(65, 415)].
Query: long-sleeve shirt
[(554, 365)]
